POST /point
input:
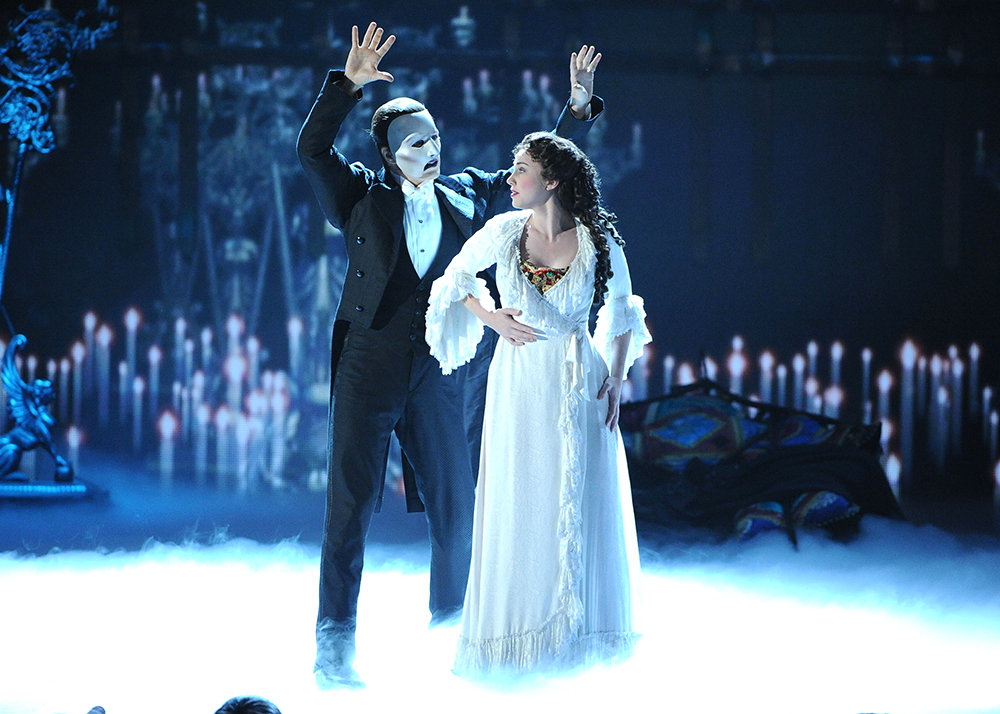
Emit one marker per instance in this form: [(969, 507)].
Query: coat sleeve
[(621, 312), (338, 185), (453, 332)]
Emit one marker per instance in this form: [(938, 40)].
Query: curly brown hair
[(578, 193)]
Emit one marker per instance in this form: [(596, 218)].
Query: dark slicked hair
[(383, 116), (578, 193), (248, 705)]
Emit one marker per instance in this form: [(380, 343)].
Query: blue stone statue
[(32, 421)]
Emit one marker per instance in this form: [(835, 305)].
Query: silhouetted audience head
[(248, 705)]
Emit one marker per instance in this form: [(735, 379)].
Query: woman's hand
[(363, 59), (516, 333), (613, 388), (582, 66)]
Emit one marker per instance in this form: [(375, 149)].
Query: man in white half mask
[(402, 225)]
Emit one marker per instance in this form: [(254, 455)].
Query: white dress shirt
[(421, 224)]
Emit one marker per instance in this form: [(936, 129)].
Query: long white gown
[(555, 563)]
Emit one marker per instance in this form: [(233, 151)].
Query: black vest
[(402, 312)]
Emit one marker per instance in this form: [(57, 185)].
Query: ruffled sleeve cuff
[(616, 317), (453, 332)]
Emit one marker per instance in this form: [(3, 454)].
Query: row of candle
[(88, 368)]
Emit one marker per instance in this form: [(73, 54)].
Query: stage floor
[(153, 603)]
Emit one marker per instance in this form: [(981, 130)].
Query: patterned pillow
[(671, 433)]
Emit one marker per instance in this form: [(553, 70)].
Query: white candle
[(279, 406), (155, 357), (836, 354), (295, 328), (168, 429), (782, 374), (253, 356), (814, 400), (234, 326), (974, 354), (180, 329), (866, 375), (711, 368), (668, 373), (138, 387), (64, 391), (132, 320), (123, 392), (893, 468), (811, 389), (884, 438), (242, 443), (206, 348), (188, 361), (77, 352), (235, 371), (994, 424), (799, 368), (812, 349), (203, 415), (940, 420), (833, 397), (955, 434), (987, 406), (884, 385), (89, 326), (996, 495), (176, 403), (922, 386), (197, 389), (223, 420), (32, 368), (937, 369), (104, 337), (185, 413), (766, 365), (908, 358), (736, 364), (74, 437)]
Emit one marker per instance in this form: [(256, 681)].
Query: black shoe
[(446, 618), (343, 677)]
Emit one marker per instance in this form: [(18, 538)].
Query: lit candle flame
[(167, 425), (908, 354), (104, 336), (132, 319), (155, 355), (90, 321)]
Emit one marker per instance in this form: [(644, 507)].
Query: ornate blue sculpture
[(29, 408), (39, 54)]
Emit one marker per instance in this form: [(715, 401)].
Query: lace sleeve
[(452, 330), (621, 312)]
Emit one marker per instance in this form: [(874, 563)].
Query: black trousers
[(383, 385)]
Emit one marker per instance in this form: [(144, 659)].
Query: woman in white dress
[(555, 565)]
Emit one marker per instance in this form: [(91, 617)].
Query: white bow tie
[(418, 194)]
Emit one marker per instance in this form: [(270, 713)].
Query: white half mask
[(417, 146)]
